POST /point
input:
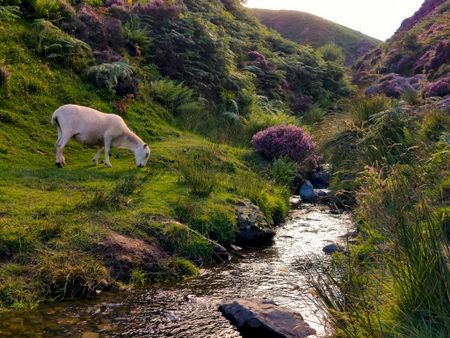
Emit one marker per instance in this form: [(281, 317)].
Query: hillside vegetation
[(194, 79), (415, 59), (391, 165), (308, 29)]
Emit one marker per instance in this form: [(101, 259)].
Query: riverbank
[(279, 272)]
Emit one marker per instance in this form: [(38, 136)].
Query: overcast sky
[(377, 18)]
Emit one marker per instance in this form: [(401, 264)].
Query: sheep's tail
[(54, 120)]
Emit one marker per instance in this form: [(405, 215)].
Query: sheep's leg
[(60, 144), (97, 156), (107, 150)]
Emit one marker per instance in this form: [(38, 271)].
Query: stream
[(189, 308)]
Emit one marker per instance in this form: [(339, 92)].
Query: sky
[(376, 18)]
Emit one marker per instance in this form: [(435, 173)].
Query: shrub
[(288, 141), (332, 53), (112, 75)]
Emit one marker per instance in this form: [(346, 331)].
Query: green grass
[(394, 282), (51, 219)]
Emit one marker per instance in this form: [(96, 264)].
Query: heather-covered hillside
[(308, 29), (416, 58)]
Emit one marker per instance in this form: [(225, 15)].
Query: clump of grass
[(395, 282), (183, 267), (435, 123), (273, 201), (199, 170), (314, 115), (411, 96), (215, 221), (71, 274), (138, 277), (179, 240), (332, 53), (119, 197), (362, 108)]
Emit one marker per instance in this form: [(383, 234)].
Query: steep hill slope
[(195, 79), (308, 29), (416, 58)]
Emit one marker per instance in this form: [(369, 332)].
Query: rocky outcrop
[(439, 87), (427, 8), (265, 319), (394, 85), (252, 226)]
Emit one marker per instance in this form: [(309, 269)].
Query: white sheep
[(91, 127)]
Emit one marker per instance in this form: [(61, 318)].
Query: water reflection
[(189, 309)]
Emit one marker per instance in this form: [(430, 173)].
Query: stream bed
[(189, 309)]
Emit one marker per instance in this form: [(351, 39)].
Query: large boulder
[(394, 85), (440, 87), (265, 319), (252, 226)]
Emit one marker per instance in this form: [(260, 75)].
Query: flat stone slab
[(265, 319)]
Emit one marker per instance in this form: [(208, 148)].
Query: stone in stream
[(320, 179), (307, 192), (252, 226), (264, 319), (332, 248)]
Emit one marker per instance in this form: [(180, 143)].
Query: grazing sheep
[(91, 127)]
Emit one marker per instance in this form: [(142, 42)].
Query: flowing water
[(189, 309)]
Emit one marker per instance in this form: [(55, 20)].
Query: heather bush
[(100, 31), (288, 141), (158, 9)]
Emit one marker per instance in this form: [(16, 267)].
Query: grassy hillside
[(308, 29), (194, 79)]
